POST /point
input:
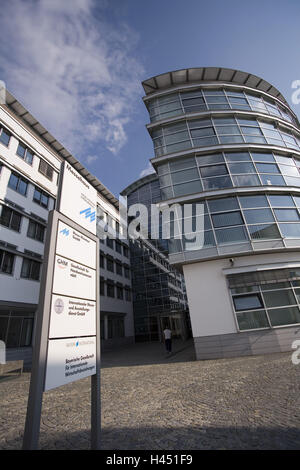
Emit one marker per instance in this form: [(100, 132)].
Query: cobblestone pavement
[(173, 403)]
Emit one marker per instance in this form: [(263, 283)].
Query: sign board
[(73, 303), (78, 199), (73, 244), (71, 316), (67, 343), (73, 279), (70, 359)]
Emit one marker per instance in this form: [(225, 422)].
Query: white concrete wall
[(208, 299), (12, 287), (211, 310)]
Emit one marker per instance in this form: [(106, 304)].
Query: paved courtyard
[(150, 401)]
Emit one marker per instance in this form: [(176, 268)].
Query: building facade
[(228, 142), (159, 296), (30, 163)]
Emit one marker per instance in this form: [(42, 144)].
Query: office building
[(159, 296), (30, 163), (228, 142)]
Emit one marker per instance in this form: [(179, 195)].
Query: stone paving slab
[(175, 403)]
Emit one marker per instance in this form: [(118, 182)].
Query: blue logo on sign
[(65, 232), (89, 214), (77, 343)]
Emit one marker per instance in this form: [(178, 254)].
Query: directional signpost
[(67, 340)]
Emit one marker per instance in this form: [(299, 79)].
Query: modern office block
[(30, 164), (159, 296), (227, 143)]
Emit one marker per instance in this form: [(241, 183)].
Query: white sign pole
[(67, 342)]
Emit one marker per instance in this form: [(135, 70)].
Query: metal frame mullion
[(264, 304)]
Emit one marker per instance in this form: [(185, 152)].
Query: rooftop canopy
[(209, 74)]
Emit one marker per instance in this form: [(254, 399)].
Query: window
[(40, 197), (284, 316), (220, 205), (118, 247), (110, 288), (126, 272), (110, 264), (9, 218), (119, 269), (238, 168), (16, 328), (125, 251), (252, 320), (5, 136), (256, 216), (246, 180), (36, 231), (231, 235), (227, 219), (253, 201), (17, 183), (265, 231), (102, 284), (278, 298), (46, 169), (187, 188), (281, 201), (237, 157), (183, 176), (213, 170), (267, 168), (30, 269), (287, 215), (272, 180), (210, 159), (25, 153), (274, 302), (6, 262), (120, 292), (247, 302), (127, 294), (290, 230), (262, 157), (110, 243), (101, 260), (116, 327)]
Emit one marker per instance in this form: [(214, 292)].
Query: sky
[(77, 65)]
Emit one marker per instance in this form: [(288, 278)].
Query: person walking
[(168, 339)]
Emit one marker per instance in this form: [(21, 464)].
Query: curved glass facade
[(206, 132), (207, 99), (228, 141), (249, 152), (198, 173), (241, 219)]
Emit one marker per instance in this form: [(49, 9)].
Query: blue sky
[(77, 65)]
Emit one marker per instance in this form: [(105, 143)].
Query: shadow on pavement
[(164, 438), (149, 353)]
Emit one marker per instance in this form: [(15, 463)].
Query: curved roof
[(209, 74), (138, 183)]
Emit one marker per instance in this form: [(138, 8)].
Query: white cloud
[(147, 171), (74, 71), (91, 158)]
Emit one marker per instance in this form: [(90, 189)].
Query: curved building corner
[(227, 141)]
